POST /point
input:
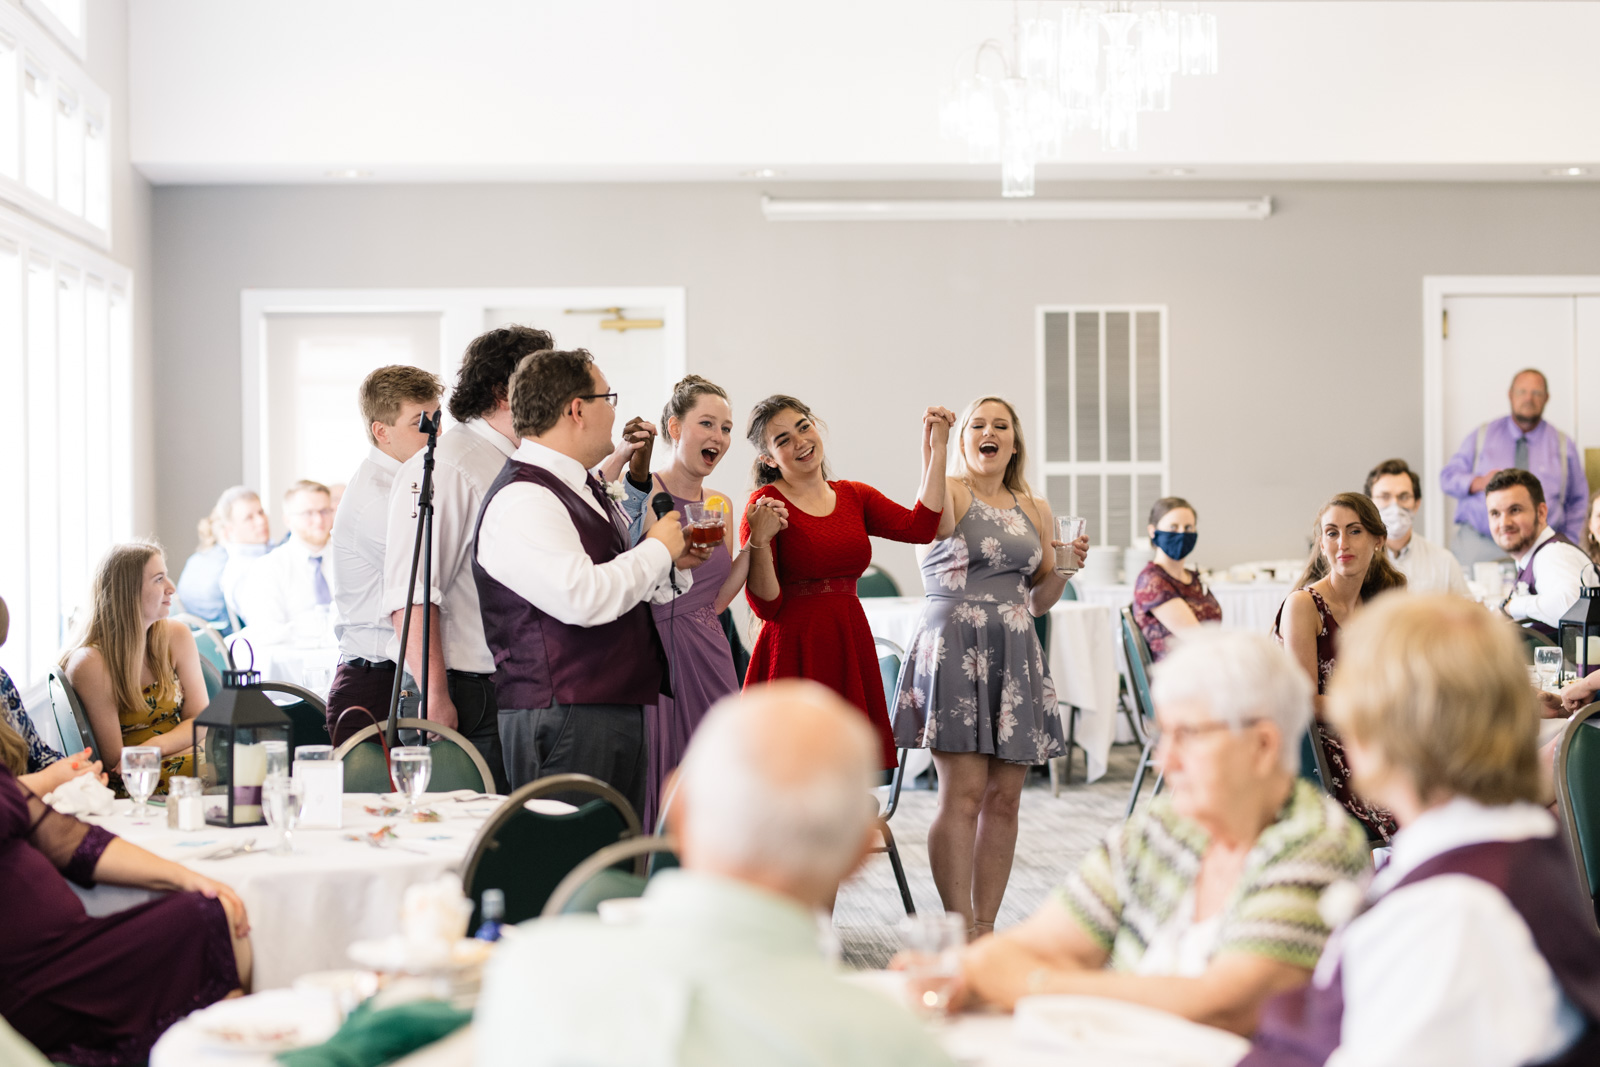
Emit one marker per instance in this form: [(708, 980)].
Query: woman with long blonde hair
[(136, 671)]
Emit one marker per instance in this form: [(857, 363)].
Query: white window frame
[(76, 43), (1047, 468), (462, 316)]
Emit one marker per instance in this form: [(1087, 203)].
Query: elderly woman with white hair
[(1205, 903)]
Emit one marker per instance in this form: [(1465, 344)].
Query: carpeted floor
[(1052, 834)]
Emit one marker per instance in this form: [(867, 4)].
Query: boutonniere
[(616, 491)]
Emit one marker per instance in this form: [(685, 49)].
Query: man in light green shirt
[(723, 963)]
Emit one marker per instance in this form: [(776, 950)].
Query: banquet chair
[(890, 658), (527, 853), (601, 877), (1532, 639), (663, 859), (457, 763), (1138, 654), (1314, 759), (213, 677), (1578, 796), (72, 723), (308, 714), (877, 582), (213, 648)]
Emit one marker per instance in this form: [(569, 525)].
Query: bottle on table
[(494, 911)]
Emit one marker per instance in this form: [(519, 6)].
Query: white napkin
[(435, 911), (83, 795)]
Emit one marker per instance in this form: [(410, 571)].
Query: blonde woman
[(136, 671), (232, 537)]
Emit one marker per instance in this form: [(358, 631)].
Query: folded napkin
[(83, 795), (370, 1037)]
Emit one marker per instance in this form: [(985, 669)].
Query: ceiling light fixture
[(348, 174), (1253, 209), (1566, 172), (1095, 68), (761, 172), (1172, 172)]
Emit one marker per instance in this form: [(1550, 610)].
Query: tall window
[(65, 362), (1104, 415)]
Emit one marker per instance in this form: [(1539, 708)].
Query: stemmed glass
[(412, 766), (282, 798), (934, 941), (141, 773)]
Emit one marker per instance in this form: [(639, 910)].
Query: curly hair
[(486, 369)]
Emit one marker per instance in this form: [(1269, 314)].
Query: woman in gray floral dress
[(974, 688)]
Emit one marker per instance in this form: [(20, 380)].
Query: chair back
[(876, 582), (603, 877), (1578, 796), (1532, 639), (366, 769), (1313, 759), (213, 649), (1070, 592), (71, 721), (457, 763), (891, 661), (308, 715), (1138, 654), (213, 677), (527, 853)]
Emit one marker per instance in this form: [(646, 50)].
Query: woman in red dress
[(802, 583)]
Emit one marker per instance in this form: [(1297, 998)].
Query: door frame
[(1435, 290), (461, 313)]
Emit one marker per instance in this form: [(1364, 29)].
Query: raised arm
[(936, 423)]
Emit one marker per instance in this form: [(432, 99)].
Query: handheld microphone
[(662, 504)]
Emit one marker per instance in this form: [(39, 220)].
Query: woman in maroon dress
[(99, 991), (802, 582)]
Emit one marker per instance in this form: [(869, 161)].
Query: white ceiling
[(674, 90)]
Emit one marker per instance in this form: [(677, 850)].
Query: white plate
[(274, 1021), (396, 954), (1095, 1026)]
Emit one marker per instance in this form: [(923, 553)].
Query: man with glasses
[(1429, 568), (296, 578), (468, 458)]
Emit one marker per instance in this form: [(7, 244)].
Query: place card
[(323, 781)]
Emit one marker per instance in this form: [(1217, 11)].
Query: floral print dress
[(974, 679), (146, 724)]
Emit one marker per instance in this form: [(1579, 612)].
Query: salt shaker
[(185, 806)]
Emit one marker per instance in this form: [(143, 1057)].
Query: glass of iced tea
[(704, 525)]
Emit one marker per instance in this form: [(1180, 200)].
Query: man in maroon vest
[(1549, 567), (564, 599)]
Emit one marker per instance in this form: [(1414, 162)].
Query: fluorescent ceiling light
[(776, 210), (348, 174), (1566, 172)]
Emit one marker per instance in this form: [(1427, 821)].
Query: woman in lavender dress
[(699, 423), (974, 688)]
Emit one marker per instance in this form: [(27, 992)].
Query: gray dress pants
[(604, 741)]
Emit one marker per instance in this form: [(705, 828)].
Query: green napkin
[(370, 1037)]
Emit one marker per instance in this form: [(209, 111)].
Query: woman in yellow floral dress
[(136, 671)]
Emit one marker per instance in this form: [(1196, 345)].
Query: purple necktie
[(319, 582)]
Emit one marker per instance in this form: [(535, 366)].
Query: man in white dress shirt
[(393, 400), (1429, 568), (296, 578), (564, 598), (1549, 567), (469, 456)]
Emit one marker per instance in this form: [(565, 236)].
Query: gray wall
[(1296, 343)]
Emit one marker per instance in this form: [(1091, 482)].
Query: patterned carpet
[(1053, 833)]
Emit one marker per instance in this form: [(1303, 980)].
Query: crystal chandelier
[(1096, 67)]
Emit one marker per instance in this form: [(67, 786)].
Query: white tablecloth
[(311, 666), (1083, 662), (1245, 605), (185, 1046), (306, 909)]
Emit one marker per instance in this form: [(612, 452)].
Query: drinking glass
[(141, 772), (281, 800), (933, 941), (313, 752), (1068, 529), (1548, 663), (705, 525), (277, 753), (411, 764)]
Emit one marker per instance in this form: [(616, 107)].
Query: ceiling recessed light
[(761, 172), (1566, 172), (348, 174), (1172, 172)]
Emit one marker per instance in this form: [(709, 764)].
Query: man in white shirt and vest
[(296, 578), (1429, 568), (1549, 566), (392, 400), (467, 459), (564, 598)]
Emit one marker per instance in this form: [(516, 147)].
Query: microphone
[(662, 504)]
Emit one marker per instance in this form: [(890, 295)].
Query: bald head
[(774, 789)]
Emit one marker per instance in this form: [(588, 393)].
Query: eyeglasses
[(1175, 737), (609, 398)]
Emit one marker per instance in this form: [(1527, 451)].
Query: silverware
[(378, 842), (228, 851)]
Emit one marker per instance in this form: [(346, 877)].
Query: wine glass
[(934, 941), (412, 765), (141, 772), (1068, 529), (282, 798), (1547, 661)]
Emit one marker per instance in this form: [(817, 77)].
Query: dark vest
[(541, 661), (1301, 1028), (1526, 575)]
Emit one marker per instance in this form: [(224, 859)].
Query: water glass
[(411, 766), (933, 944), (313, 752), (1547, 661), (277, 753), (281, 800), (141, 773), (1068, 529)]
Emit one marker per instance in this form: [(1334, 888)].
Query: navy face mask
[(1175, 544)]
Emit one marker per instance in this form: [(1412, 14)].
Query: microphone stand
[(421, 551)]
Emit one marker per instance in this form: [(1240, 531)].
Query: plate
[(1131, 1033), (274, 1021), (397, 955)]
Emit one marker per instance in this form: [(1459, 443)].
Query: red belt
[(821, 587)]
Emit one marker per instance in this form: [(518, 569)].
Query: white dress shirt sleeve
[(1445, 973), (529, 544), (1558, 575), (261, 594), (402, 535)]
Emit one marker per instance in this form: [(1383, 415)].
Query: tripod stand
[(421, 552)]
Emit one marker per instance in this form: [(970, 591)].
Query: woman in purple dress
[(96, 991), (699, 424)]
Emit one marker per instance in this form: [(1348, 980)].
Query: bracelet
[(752, 544)]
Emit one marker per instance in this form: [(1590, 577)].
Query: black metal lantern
[(230, 758), (1579, 632)]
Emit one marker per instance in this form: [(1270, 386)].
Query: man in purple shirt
[(1525, 441)]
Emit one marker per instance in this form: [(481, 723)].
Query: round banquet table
[(1082, 659), (307, 908), (1245, 605)]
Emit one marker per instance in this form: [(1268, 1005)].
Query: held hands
[(639, 438), (1580, 694), (766, 516), (936, 423)]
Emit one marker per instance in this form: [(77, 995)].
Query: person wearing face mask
[(1429, 568), (1168, 597)]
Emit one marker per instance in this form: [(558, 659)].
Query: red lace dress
[(815, 627)]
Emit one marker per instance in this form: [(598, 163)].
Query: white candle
[(249, 771)]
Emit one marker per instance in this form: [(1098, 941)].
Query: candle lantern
[(1579, 632), (229, 756)]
